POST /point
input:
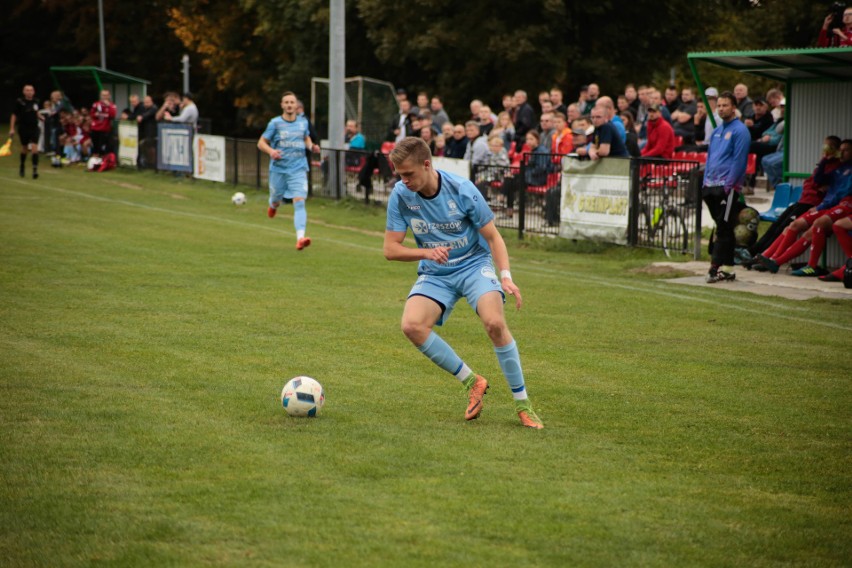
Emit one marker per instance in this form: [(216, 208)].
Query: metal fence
[(665, 204)]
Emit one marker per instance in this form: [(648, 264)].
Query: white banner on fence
[(128, 143), (595, 199), (209, 157), (452, 165), (174, 147)]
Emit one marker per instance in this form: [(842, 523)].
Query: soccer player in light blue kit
[(456, 241), (285, 139)]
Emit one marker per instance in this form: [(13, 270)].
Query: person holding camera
[(836, 28)]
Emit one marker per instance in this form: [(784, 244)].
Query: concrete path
[(761, 283)]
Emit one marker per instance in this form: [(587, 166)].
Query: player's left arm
[(501, 260), (310, 145)]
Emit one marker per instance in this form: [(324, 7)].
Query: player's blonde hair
[(410, 148)]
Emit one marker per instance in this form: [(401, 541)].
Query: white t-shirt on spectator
[(188, 114)]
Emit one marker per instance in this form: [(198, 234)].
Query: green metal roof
[(100, 76), (811, 64)]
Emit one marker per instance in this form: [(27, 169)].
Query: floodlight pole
[(103, 40), (336, 83), (185, 61), (336, 74)]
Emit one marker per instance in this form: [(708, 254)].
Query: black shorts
[(28, 136), (100, 142)]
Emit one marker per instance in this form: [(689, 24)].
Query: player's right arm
[(263, 146), (395, 250)]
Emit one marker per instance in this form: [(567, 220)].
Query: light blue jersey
[(288, 138), (451, 218)]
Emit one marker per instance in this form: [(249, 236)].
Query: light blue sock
[(440, 353), (300, 217), (510, 363)]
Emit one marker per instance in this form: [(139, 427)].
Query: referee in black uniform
[(25, 117)]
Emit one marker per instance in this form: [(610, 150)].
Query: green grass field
[(148, 327)]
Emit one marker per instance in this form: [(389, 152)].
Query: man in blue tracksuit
[(724, 174)]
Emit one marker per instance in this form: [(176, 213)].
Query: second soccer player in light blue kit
[(458, 247), (285, 139)]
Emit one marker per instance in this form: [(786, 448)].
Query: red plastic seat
[(355, 169)]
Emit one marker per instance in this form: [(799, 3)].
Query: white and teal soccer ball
[(239, 198), (302, 396)]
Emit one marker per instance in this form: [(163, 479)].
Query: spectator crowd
[(639, 122), (70, 135)]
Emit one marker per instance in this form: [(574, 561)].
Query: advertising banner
[(174, 147), (595, 199), (128, 143), (208, 154)]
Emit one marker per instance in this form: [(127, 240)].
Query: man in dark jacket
[(456, 144), (524, 117)]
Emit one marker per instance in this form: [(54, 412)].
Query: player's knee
[(495, 327), (823, 222), (415, 331)]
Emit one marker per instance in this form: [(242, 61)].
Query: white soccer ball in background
[(302, 396), (239, 198)]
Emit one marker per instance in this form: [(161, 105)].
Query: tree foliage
[(244, 53), (38, 34)]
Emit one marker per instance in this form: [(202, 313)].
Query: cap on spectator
[(188, 95), (584, 88), (711, 92), (401, 91), (760, 101), (654, 106)]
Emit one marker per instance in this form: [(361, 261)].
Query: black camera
[(836, 13)]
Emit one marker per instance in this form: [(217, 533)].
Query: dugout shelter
[(818, 88), (82, 85)]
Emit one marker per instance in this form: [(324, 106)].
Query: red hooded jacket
[(661, 139)]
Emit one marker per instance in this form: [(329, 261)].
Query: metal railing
[(665, 205)]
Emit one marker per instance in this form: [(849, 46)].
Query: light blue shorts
[(287, 186), (470, 282)]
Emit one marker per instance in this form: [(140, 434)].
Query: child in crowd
[(494, 169), (581, 129), (505, 128)]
